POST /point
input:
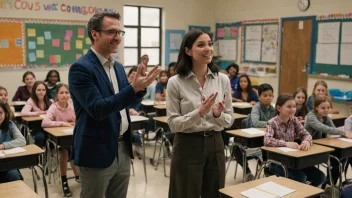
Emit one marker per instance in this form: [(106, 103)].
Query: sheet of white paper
[(241, 104), (2, 154), (148, 102), (346, 36), (327, 54), (253, 131), (346, 140), (14, 151), (274, 188), (68, 131), (286, 149), (328, 32), (255, 193)]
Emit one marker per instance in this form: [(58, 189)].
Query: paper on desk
[(346, 140), (148, 103), (253, 131), (274, 188), (68, 131), (286, 149), (255, 193), (162, 103), (2, 155), (243, 104), (14, 151)]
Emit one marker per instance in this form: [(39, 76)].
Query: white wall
[(176, 15), (238, 10)]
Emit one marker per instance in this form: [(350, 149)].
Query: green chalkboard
[(55, 44), (331, 69)]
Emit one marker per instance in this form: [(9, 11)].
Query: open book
[(267, 190)]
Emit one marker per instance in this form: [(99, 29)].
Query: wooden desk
[(338, 119), (161, 122), (248, 140), (302, 190), (59, 137), (238, 120), (317, 154), (18, 105), (30, 158), (137, 122), (16, 189), (147, 106), (242, 107), (160, 109), (342, 149), (32, 122)]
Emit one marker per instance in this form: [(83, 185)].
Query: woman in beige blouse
[(198, 107)]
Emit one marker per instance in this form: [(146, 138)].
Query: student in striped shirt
[(282, 130)]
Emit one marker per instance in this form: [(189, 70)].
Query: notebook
[(267, 190)]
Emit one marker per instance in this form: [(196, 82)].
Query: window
[(143, 34)]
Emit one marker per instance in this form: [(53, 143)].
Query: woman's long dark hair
[(184, 61), (34, 96), (5, 125), (249, 87), (8, 108), (304, 108)]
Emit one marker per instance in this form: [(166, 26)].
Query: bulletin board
[(260, 41), (11, 43), (41, 43), (206, 28), (173, 40), (333, 45), (226, 35)]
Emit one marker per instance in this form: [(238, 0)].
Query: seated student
[(301, 103), (62, 114), (232, 71), (23, 92), (261, 113), (348, 124), (37, 104), (4, 99), (320, 89), (282, 130), (244, 91), (160, 89), (171, 69), (52, 78), (144, 59), (10, 137), (318, 122)]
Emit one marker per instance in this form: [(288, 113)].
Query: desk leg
[(268, 162), (44, 181), (34, 180), (144, 163), (161, 146), (231, 158), (330, 176)]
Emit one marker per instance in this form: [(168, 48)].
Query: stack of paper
[(253, 131), (267, 190), (346, 140), (68, 131), (286, 149), (14, 151)]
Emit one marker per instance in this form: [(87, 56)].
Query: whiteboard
[(327, 54), (253, 42), (228, 49), (269, 44), (328, 32), (346, 36), (346, 54)]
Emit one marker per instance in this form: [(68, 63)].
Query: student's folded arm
[(49, 119), (269, 139), (312, 121), (226, 118), (85, 91), (176, 121), (17, 138), (27, 109), (255, 118)]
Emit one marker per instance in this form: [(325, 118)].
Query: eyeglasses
[(113, 32)]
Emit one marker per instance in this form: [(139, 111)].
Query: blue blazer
[(97, 108)]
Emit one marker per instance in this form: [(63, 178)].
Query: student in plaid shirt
[(282, 130)]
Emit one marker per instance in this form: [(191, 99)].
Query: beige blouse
[(183, 99)]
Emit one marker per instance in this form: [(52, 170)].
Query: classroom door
[(295, 55)]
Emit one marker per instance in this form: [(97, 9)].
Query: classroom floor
[(157, 186)]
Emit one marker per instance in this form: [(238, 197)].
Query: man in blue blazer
[(101, 94)]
